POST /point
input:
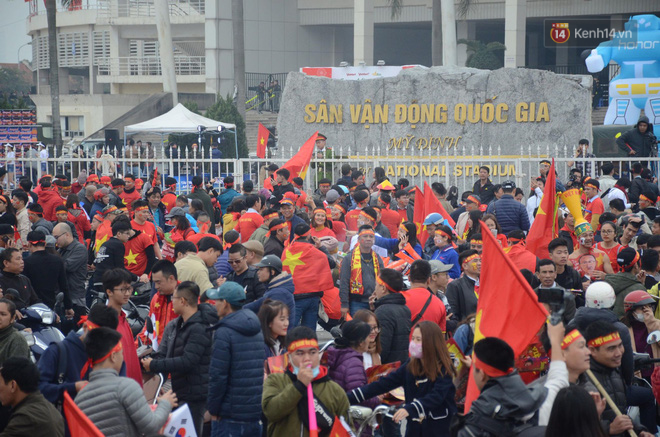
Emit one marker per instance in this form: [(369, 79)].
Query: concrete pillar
[(219, 48), (461, 49), (448, 32), (363, 32), (166, 49), (515, 21), (562, 55)]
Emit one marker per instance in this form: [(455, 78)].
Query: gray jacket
[(117, 406), (75, 262)]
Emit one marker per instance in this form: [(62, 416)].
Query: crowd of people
[(242, 280)]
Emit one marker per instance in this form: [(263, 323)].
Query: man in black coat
[(243, 274), (484, 188), (460, 293), (185, 350), (638, 141), (12, 277)]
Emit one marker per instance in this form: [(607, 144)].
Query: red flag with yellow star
[(419, 215), (262, 141), (308, 266), (508, 307), (546, 225)]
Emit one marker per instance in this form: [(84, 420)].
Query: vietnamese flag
[(419, 216), (299, 163), (78, 423), (508, 307), (434, 205), (308, 267), (262, 141), (545, 226)]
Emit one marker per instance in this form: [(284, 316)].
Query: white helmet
[(600, 295)]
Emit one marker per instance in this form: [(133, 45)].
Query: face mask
[(415, 349), (315, 370), (494, 231), (639, 316)]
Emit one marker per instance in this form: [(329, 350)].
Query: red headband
[(91, 363), (570, 338), (303, 344), (443, 233), (272, 215), (605, 339), (384, 284), (471, 257), (366, 232), (276, 228), (340, 208), (367, 216), (641, 196), (490, 370), (473, 200)]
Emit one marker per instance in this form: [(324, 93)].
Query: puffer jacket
[(279, 288), (623, 283), (585, 316), (117, 406), (430, 404), (250, 283), (505, 403), (346, 368), (611, 380), (236, 374), (395, 324), (185, 353), (510, 213)]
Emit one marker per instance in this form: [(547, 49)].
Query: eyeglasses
[(235, 261), (375, 329), (125, 290), (57, 236)]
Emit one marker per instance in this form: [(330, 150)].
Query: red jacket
[(391, 220), (81, 223), (50, 199), (436, 312)]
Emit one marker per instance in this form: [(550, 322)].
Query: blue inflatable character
[(637, 86)]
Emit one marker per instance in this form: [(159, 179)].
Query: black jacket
[(22, 284), (273, 246), (485, 193), (250, 282), (613, 384), (461, 298), (395, 324), (75, 262), (47, 274), (431, 401), (503, 407), (110, 256), (185, 353), (279, 190), (585, 316), (638, 186), (641, 143)]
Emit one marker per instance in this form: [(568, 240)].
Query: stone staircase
[(598, 116), (252, 120)]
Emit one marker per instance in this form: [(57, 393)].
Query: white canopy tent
[(181, 120)]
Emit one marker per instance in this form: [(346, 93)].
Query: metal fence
[(252, 81), (150, 66), (451, 170)]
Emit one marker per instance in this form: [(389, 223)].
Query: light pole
[(18, 54)]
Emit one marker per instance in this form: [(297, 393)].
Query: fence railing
[(146, 8), (150, 66), (252, 81), (447, 168)]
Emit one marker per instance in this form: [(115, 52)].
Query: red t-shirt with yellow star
[(247, 224), (135, 260)]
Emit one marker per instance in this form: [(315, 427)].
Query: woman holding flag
[(407, 235)]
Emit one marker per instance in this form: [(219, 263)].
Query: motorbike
[(141, 293), (363, 417), (41, 333)]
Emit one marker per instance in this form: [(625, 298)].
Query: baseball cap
[(176, 212), (433, 219), (6, 229), (332, 196), (230, 291), (509, 185), (439, 267)]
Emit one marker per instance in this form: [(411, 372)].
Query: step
[(252, 120)]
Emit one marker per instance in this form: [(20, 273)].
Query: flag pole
[(607, 397)]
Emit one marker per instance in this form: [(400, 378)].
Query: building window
[(73, 126)]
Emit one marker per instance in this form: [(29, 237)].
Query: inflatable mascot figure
[(637, 86)]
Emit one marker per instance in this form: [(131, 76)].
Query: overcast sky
[(13, 33)]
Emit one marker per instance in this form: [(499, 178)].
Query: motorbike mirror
[(150, 326), (653, 337), (29, 338)]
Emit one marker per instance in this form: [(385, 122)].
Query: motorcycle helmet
[(600, 295), (637, 299)]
